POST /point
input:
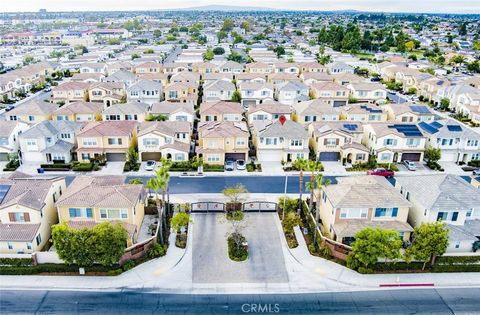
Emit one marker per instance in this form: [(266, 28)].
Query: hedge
[(458, 260), (16, 261), (474, 163), (83, 167), (51, 268), (56, 166), (213, 168)]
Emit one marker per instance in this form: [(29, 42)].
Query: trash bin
[(40, 170)]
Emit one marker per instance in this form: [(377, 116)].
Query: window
[(179, 157), (213, 158), (10, 246), (150, 142), (80, 213), (442, 216), (38, 239), (386, 212), (89, 141), (390, 142), (353, 213), (65, 136), (331, 141), (114, 141), (31, 118), (360, 157), (454, 216), (85, 156), (469, 213), (457, 244), (296, 143), (19, 216), (240, 141), (113, 213), (385, 156), (413, 142), (29, 245)]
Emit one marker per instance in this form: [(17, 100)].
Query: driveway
[(211, 263), (272, 168), (112, 168), (334, 168)]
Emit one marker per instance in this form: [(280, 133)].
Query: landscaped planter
[(237, 252)]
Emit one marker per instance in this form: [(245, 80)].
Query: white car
[(411, 166), (150, 165), (241, 165)]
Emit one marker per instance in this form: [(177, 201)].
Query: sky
[(433, 6)]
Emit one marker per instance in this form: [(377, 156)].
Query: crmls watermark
[(260, 308)]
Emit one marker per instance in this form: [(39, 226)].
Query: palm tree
[(319, 183), (154, 185), (301, 165)]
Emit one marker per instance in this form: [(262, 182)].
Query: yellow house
[(91, 200), (359, 202), (70, 92), (110, 139), (32, 112), (78, 111), (221, 140), (25, 221), (220, 111)]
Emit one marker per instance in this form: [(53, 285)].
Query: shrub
[(15, 262), (235, 215), (83, 167), (392, 166), (213, 168), (155, 251), (128, 265), (458, 260), (237, 253), (474, 163), (51, 268), (114, 272), (365, 270), (57, 165)]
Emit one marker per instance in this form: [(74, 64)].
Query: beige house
[(181, 92), (149, 67), (359, 202), (129, 111), (315, 110), (92, 200), (409, 113), (268, 111), (312, 67), (259, 68), (164, 139), (368, 92), (338, 141), (32, 112), (70, 92), (79, 111), (108, 93), (221, 140), (332, 93), (110, 139), (363, 112), (394, 142), (220, 111), (25, 222)]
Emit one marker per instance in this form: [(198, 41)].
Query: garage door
[(274, 156), (234, 156), (116, 157), (339, 103), (329, 156), (3, 157), (411, 156), (155, 156)]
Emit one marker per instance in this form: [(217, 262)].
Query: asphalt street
[(409, 301)]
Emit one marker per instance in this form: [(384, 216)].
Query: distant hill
[(225, 8)]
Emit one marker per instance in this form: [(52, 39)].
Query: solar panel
[(351, 127), (454, 128), (407, 130), (371, 110), (428, 127), (420, 109), (3, 191), (436, 124)]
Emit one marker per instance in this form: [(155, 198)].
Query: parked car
[(9, 108), (411, 166), (150, 165), (241, 165), (476, 171), (381, 172), (229, 165)]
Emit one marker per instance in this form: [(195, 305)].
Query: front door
[(49, 157)]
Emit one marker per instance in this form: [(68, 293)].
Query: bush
[(364, 270), (393, 167), (235, 215), (156, 250), (458, 260), (213, 168), (456, 268), (51, 268), (237, 253), (435, 166), (114, 272), (474, 163), (15, 262), (128, 265), (82, 167)]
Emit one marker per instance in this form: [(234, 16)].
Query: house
[(363, 112), (447, 198), (430, 88), (468, 104), (457, 142), (129, 111), (230, 67), (145, 91), (222, 140), (87, 77), (93, 67), (32, 112), (108, 93), (250, 77), (108, 139), (155, 77), (310, 78), (186, 77), (279, 78), (276, 142), (27, 212), (411, 78), (119, 66), (203, 68), (181, 92), (359, 202), (69, 92), (338, 141), (409, 113), (267, 111), (333, 93), (212, 77), (221, 111), (9, 142), (312, 67), (218, 91), (315, 110), (49, 141), (91, 200), (368, 92), (259, 68), (121, 76), (255, 93), (286, 67), (394, 142), (149, 67), (292, 92), (174, 111), (79, 111), (339, 67), (164, 139), (347, 78)]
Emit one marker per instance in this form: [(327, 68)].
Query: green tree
[(291, 220), (208, 55), (159, 185), (110, 242), (135, 181), (218, 51), (27, 60), (429, 241), (463, 29), (432, 155), (279, 50), (236, 194), (444, 103), (179, 221), (246, 26), (370, 245), (236, 96), (221, 35), (228, 25)]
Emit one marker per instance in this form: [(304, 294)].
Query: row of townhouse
[(359, 202), (29, 206)]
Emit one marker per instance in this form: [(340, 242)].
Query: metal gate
[(259, 206), (206, 207)]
